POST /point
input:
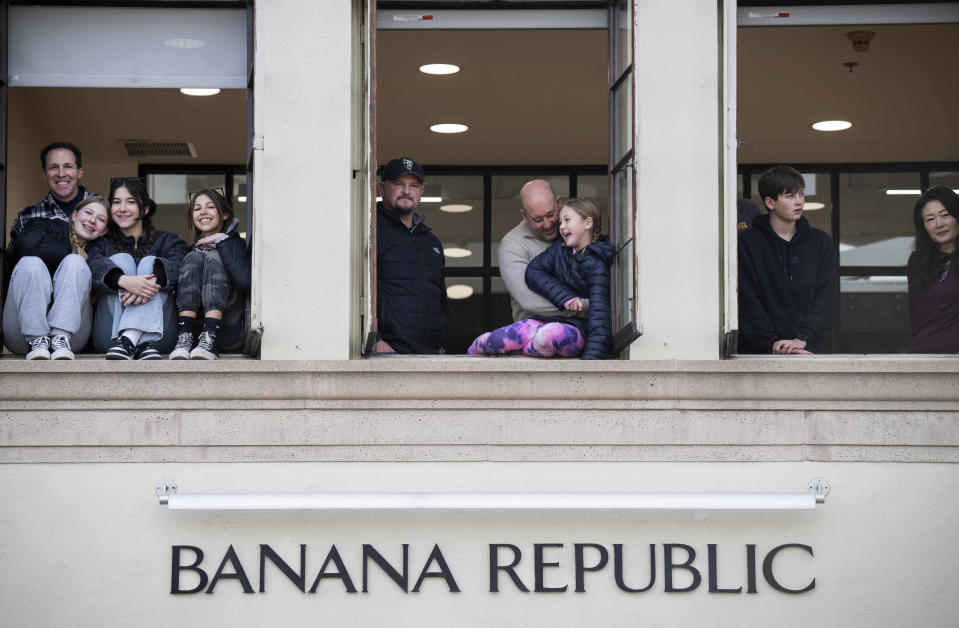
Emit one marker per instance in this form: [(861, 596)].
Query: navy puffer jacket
[(560, 275), (411, 305), (168, 248)]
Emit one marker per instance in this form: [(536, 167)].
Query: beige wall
[(88, 544)]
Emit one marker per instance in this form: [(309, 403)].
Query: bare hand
[(208, 242), (790, 347), (383, 347), (144, 287), (575, 305)]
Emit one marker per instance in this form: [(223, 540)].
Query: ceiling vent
[(159, 148)]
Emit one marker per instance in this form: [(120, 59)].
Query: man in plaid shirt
[(62, 170)]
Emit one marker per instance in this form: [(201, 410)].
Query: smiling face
[(941, 226), (90, 221), (62, 174), (576, 231), (206, 217), (124, 210)]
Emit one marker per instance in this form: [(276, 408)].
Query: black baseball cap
[(400, 166)]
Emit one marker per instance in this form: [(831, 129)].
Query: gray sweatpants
[(40, 305)]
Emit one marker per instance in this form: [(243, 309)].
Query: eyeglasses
[(219, 189), (945, 270)]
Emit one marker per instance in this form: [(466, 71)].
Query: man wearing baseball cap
[(411, 303)]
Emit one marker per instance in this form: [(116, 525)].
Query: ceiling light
[(832, 125), (439, 68), (448, 127), (240, 199), (431, 199), (903, 192), (455, 251), (455, 209), (200, 91), (459, 291), (184, 42), (812, 206)]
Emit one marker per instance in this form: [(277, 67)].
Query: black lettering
[(714, 573), (581, 568), (618, 568), (299, 579), (494, 567), (539, 565), (444, 571), (340, 572), (177, 568), (771, 578), (669, 566), (750, 569), (238, 573), (401, 580)]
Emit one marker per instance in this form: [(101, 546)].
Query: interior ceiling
[(540, 97)]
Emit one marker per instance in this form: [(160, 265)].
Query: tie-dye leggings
[(532, 337)]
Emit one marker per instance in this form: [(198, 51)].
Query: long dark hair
[(223, 210), (147, 207), (925, 263)]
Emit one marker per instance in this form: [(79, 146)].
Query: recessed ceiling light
[(903, 192), (240, 199), (832, 125), (448, 127), (431, 199), (455, 209), (200, 91), (184, 42), (459, 291), (439, 68), (455, 251), (812, 206)]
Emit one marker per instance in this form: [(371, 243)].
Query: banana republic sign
[(634, 569)]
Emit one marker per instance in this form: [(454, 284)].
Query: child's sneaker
[(184, 343), (61, 348), (121, 349), (146, 351), (205, 347), (39, 348)]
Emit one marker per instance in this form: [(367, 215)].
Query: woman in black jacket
[(574, 268), (214, 280), (135, 270), (48, 299)]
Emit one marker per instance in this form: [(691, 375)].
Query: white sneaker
[(39, 348), (61, 348)]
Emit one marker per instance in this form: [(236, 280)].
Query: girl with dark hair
[(48, 299), (933, 271), (214, 278), (135, 268), (571, 270)]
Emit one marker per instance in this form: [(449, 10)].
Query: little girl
[(575, 267), (214, 277)]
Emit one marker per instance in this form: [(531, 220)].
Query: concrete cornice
[(902, 409)]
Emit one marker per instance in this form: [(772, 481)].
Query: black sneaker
[(205, 347), (184, 343), (146, 351), (121, 349), (39, 348)]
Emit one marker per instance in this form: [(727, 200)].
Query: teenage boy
[(787, 273)]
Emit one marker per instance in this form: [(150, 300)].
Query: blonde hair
[(587, 208), (80, 246)]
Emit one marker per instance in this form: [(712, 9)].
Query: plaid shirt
[(47, 208)]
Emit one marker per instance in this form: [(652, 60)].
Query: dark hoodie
[(560, 275), (786, 289)]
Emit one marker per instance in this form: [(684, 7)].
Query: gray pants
[(40, 305), (156, 318)]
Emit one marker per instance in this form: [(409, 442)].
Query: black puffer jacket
[(168, 248), (46, 238), (560, 275), (411, 304)]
